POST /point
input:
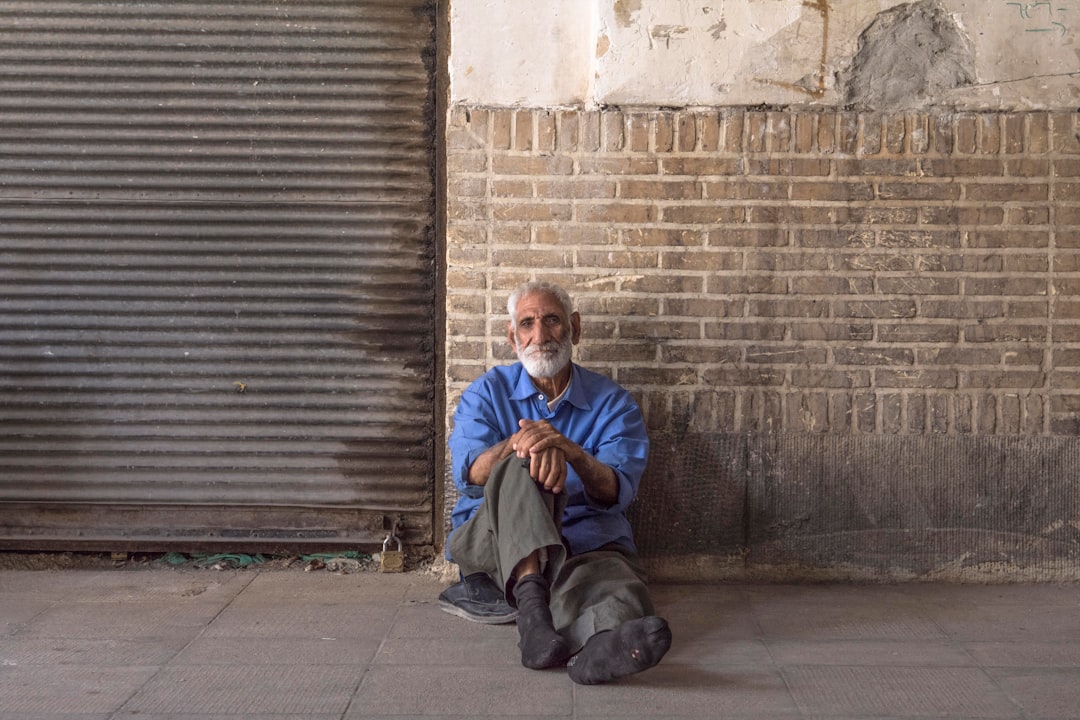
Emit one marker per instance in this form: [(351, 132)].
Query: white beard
[(545, 361)]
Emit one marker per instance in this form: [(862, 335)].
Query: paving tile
[(16, 611), (131, 620), (161, 583), (673, 690), (835, 691), (350, 651), (313, 619), (497, 692), (1025, 654), (44, 582), (426, 620), (247, 690), (220, 716), (1046, 693), (997, 622), (116, 652), (26, 691), (869, 652), (845, 621), (707, 650), (359, 588), (501, 651)]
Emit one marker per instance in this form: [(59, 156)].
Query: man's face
[(542, 335)]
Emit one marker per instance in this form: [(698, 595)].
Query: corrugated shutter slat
[(216, 273)]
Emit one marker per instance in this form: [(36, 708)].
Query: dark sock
[(541, 647), (634, 646)]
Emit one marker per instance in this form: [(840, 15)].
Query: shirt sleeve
[(475, 430), (623, 445)]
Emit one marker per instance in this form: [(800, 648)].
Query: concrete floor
[(156, 643)]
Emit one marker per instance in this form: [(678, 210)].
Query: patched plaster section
[(1000, 54), (908, 58)]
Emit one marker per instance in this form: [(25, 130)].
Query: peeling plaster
[(707, 53), (908, 57)]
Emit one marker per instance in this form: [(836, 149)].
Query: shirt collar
[(576, 395)]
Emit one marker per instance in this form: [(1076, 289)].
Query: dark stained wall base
[(775, 507)]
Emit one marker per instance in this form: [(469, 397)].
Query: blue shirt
[(595, 412)]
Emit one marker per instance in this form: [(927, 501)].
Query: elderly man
[(547, 456)]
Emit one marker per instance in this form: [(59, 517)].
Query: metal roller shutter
[(216, 273)]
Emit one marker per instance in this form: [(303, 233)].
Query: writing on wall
[(1043, 16)]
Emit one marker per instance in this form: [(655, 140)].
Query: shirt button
[(540, 396)]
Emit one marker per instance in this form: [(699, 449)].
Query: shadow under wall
[(799, 506)]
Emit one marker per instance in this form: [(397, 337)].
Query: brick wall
[(804, 272)]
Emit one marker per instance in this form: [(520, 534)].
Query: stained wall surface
[(832, 248), (664, 53)]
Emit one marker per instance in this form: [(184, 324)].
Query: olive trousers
[(591, 592)]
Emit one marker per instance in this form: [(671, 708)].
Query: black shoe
[(477, 598)]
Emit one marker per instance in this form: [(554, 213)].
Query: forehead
[(539, 304)]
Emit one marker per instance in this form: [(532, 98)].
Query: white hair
[(539, 286)]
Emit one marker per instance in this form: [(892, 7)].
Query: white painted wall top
[(708, 53)]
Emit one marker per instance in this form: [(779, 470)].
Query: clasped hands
[(547, 451)]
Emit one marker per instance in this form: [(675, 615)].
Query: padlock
[(392, 561)]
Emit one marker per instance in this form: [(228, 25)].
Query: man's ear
[(510, 335), (575, 323)]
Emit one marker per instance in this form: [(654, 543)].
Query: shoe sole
[(471, 617)]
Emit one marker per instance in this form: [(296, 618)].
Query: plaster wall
[(663, 53)]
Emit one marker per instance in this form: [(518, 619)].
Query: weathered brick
[(830, 331), (756, 131), (743, 284), (743, 330), (617, 165), (1013, 133), (786, 261), (663, 132), (1005, 286), (701, 260), (990, 134), (703, 214), (883, 356), (531, 211), (620, 259), (918, 333), (746, 189), (915, 378), (709, 131), (612, 132), (789, 167), (832, 191), (982, 214), (907, 293), (523, 130), (826, 132), (1066, 136), (807, 412), (617, 212), (896, 308), (1007, 192), (929, 190), (660, 189), (892, 413), (686, 128), (1005, 332), (967, 134), (637, 133), (701, 166), (534, 165), (804, 128), (888, 167), (960, 167), (747, 237)]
